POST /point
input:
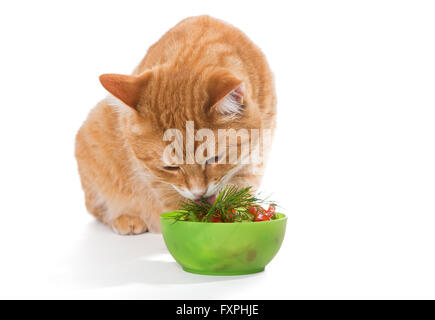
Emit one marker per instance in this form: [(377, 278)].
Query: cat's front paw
[(126, 225)]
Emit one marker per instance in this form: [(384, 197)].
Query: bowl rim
[(214, 223)]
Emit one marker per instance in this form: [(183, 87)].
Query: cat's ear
[(126, 88), (227, 94)]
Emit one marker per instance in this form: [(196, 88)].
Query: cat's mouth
[(210, 199)]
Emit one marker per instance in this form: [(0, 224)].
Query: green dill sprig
[(231, 204)]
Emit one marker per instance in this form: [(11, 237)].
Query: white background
[(353, 160)]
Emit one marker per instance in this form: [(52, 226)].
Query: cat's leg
[(123, 217), (111, 203), (128, 225), (139, 211), (123, 221), (95, 203), (136, 217)]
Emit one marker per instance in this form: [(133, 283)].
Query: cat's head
[(162, 99)]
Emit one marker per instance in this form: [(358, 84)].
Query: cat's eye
[(171, 168), (212, 160)]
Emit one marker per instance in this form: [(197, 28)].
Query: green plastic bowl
[(223, 248)]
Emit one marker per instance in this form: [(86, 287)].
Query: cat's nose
[(199, 193)]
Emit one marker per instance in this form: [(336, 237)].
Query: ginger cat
[(202, 70)]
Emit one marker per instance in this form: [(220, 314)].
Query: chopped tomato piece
[(262, 217), (271, 211), (216, 219)]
